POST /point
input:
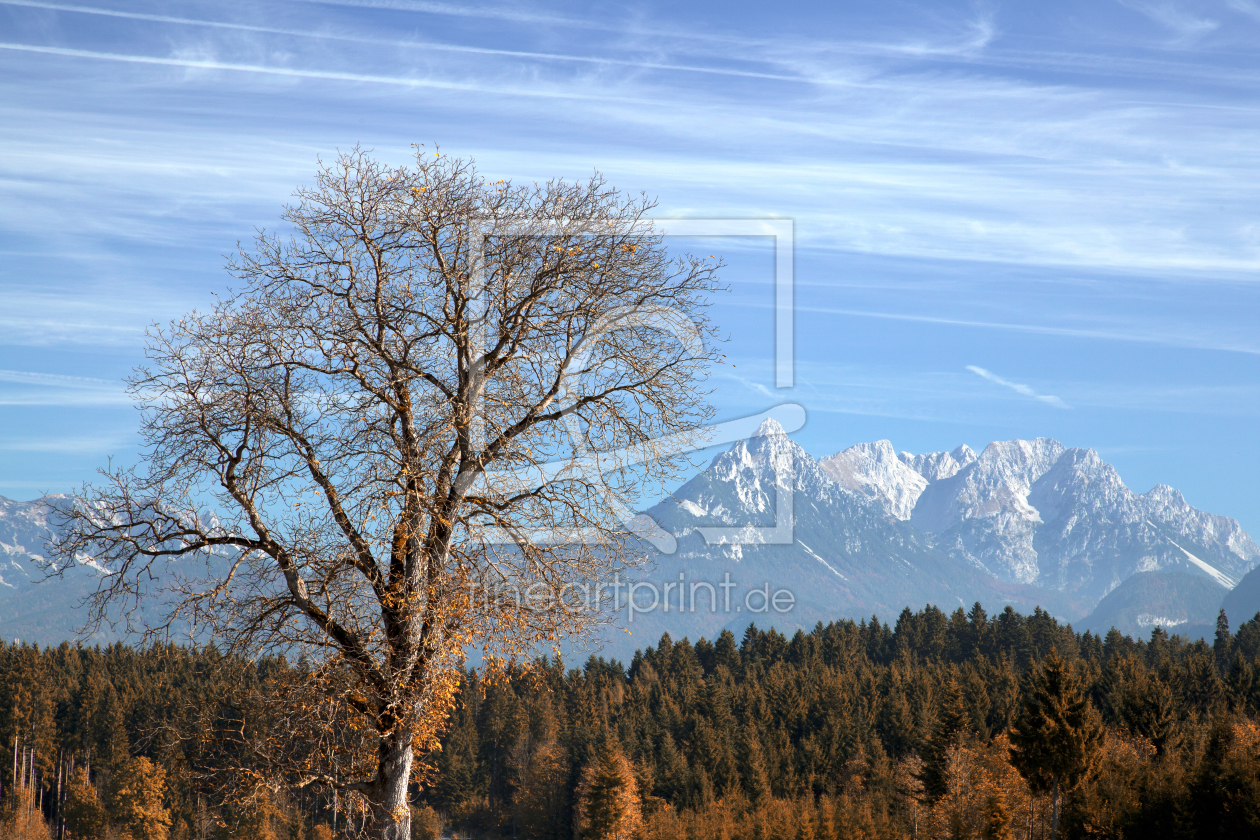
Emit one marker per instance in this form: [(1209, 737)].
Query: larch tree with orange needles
[(417, 428)]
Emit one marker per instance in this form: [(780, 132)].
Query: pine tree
[(1225, 797), (754, 770), (827, 819), (1058, 734), (725, 652), (807, 822), (1141, 701), (978, 624)]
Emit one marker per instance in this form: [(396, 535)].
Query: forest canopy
[(855, 729)]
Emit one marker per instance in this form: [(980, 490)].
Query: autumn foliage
[(608, 806), (853, 730)]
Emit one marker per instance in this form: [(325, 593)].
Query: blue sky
[(1013, 219)]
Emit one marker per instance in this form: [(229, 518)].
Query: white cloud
[(73, 444), (750, 384), (298, 72), (1142, 334), (57, 380), (59, 389), (1247, 7), (1184, 24), (417, 45), (1017, 387)]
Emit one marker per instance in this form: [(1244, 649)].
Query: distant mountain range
[(1038, 512), (1024, 523)]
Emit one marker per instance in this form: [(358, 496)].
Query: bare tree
[(411, 432)]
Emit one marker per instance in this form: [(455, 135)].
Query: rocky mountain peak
[(1017, 461), (24, 530), (751, 471), (935, 466), (1163, 497), (768, 427), (1036, 511), (765, 456), (875, 471)]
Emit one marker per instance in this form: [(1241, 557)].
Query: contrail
[(1017, 387)]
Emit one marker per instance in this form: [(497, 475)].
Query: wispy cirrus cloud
[(1118, 332), (296, 72), (1247, 7), (57, 380), (1181, 22), (35, 389), (415, 44), (70, 445), (1017, 387)]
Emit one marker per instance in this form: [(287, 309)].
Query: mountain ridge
[(1043, 513), (872, 530)]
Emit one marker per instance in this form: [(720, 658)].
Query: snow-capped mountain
[(846, 556), (32, 608), (1025, 523), (23, 532), (875, 471), (1041, 513)]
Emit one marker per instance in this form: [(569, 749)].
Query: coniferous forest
[(940, 726)]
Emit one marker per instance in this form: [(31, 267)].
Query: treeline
[(868, 730), (104, 744), (854, 730)]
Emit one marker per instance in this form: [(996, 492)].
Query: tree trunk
[(390, 808), (1054, 818)]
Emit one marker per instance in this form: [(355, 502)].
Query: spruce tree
[(1223, 643), (1058, 734), (754, 770), (952, 727)]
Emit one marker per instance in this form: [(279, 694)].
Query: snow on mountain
[(23, 532), (937, 465), (753, 468), (848, 556), (875, 471), (33, 607), (1026, 523), (1040, 513)]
